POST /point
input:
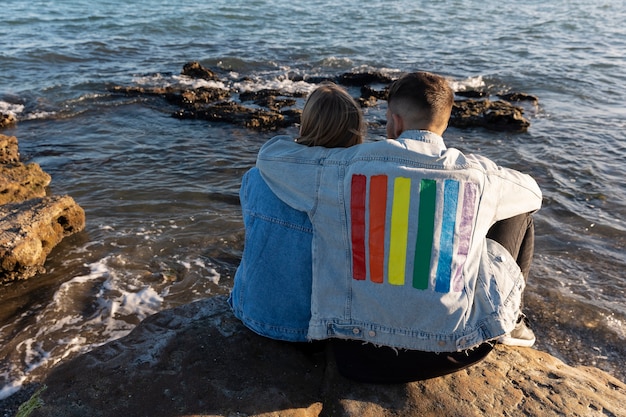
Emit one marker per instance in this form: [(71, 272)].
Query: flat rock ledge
[(271, 109), (31, 223), (199, 360)]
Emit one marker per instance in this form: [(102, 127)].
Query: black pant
[(365, 362), (517, 235)]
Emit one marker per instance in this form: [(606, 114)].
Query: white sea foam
[(209, 272), (11, 108), (281, 83), (85, 312), (38, 115), (336, 62), (616, 325), (139, 304), (154, 79), (198, 82), (471, 83), (12, 386)]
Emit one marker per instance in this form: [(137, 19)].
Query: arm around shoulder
[(291, 171)]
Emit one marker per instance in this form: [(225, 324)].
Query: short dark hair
[(428, 92)]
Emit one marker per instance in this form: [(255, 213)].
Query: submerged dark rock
[(493, 115), (274, 109), (228, 111), (363, 78), (271, 99), (202, 95), (196, 70), (471, 94), (519, 97)]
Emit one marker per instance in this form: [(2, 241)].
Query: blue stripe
[(446, 242)]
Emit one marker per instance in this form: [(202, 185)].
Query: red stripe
[(378, 215), (357, 216)]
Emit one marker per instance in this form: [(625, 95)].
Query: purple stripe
[(465, 232)]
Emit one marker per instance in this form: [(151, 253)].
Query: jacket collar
[(422, 141), (422, 136)]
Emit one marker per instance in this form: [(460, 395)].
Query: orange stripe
[(378, 215)]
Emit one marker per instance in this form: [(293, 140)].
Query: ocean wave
[(13, 109), (96, 307), (470, 83)]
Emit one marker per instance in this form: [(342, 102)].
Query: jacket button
[(442, 343), (356, 331), (372, 333)]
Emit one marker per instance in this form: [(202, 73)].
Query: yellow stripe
[(399, 229)]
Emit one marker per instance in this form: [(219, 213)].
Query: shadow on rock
[(198, 359), (194, 360)]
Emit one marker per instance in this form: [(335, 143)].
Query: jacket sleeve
[(518, 193), (291, 171)]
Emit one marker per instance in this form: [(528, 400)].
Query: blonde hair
[(331, 118)]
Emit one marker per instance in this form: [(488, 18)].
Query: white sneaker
[(521, 335)]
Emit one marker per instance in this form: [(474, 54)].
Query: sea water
[(160, 194)]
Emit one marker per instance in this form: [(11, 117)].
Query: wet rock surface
[(7, 120), (273, 109), (199, 360), (9, 151), (31, 229), (18, 181), (31, 223), (493, 115)]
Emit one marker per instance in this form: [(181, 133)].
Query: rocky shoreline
[(33, 224), (271, 109), (199, 360)]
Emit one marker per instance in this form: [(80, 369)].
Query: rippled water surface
[(161, 194)]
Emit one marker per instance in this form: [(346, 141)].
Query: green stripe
[(425, 231)]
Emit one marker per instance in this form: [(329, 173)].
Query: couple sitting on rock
[(408, 257)]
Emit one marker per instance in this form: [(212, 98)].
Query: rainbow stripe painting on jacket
[(372, 198)]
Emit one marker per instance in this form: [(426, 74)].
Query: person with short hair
[(409, 279)]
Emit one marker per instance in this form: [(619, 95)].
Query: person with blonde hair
[(271, 294), (331, 118)]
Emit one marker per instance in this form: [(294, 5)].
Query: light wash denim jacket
[(272, 290), (399, 252)]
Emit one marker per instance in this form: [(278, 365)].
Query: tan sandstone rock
[(31, 229), (31, 224), (19, 182), (9, 152), (7, 120), (198, 360)]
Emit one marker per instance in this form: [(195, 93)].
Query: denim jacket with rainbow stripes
[(399, 252)]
